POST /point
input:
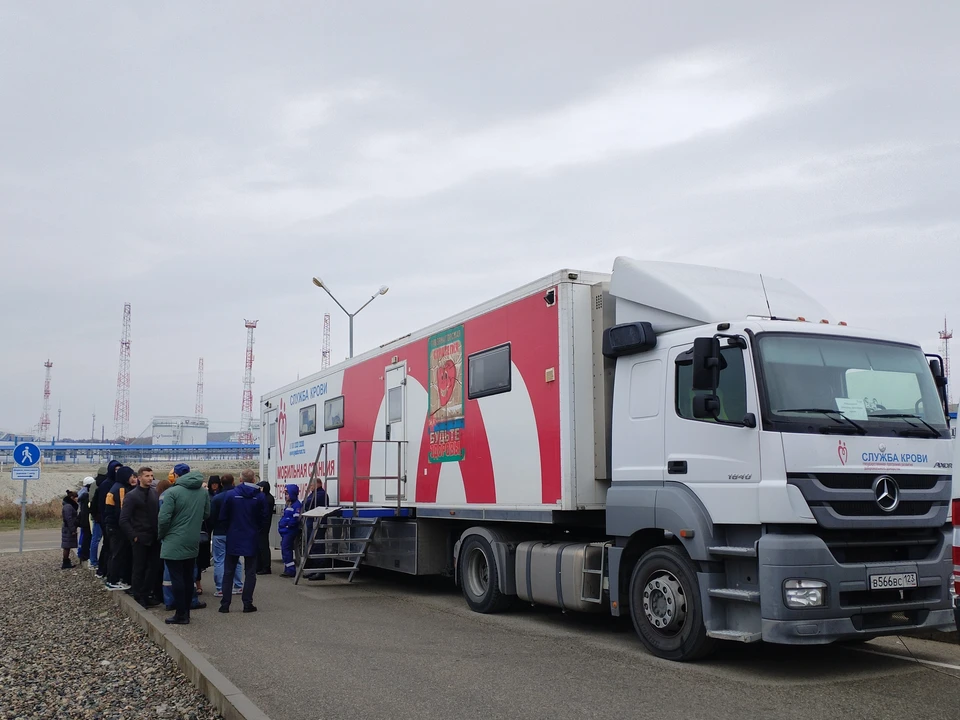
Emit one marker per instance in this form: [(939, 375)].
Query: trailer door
[(395, 449)]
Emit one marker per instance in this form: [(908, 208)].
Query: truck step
[(342, 556), (731, 551), (737, 635), (752, 596)]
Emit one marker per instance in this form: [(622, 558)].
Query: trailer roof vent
[(628, 339)]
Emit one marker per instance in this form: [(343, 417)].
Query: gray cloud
[(202, 162)]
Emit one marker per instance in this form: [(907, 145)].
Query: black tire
[(668, 578), (480, 577)]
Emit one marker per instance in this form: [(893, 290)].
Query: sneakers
[(218, 593), (113, 586)]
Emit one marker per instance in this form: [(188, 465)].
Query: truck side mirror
[(940, 379), (706, 407), (706, 364)]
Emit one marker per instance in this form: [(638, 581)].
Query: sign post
[(25, 456)]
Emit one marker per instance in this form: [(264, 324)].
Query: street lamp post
[(382, 291)]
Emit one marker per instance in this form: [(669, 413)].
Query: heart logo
[(282, 427), (842, 452), (446, 381)]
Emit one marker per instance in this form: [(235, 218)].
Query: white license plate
[(897, 581)]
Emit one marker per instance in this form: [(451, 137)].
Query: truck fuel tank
[(568, 575)]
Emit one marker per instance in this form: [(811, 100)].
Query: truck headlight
[(803, 593)]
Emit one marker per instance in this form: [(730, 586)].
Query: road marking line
[(908, 658)]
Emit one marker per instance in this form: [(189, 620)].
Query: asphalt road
[(32, 540), (398, 648)]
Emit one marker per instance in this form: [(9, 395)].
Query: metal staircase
[(340, 536), (341, 542)]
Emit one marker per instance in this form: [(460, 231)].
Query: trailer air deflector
[(628, 339)]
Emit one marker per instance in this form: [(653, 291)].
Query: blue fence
[(96, 453)]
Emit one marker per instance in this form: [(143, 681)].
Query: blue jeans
[(95, 539), (219, 557)]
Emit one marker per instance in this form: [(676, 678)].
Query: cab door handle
[(677, 467)]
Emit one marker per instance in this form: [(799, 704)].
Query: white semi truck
[(705, 450)]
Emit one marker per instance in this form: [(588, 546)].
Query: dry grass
[(39, 515)]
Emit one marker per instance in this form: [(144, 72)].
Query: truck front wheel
[(480, 577), (665, 605)]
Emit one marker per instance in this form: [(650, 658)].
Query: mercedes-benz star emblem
[(887, 493)]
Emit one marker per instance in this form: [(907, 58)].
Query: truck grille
[(883, 546), (848, 501)]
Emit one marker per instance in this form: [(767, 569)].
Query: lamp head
[(318, 282), (383, 290)]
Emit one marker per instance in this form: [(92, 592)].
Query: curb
[(226, 697)]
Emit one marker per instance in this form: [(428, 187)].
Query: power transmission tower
[(121, 409), (945, 337), (246, 408), (325, 352), (199, 407)]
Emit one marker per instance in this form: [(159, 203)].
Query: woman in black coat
[(263, 545), (68, 530)]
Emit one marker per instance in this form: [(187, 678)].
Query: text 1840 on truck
[(704, 450)]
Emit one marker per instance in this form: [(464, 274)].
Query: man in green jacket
[(184, 508)]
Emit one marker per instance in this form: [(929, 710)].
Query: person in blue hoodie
[(245, 514), (289, 527)]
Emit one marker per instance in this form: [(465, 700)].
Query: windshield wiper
[(936, 433), (829, 412)]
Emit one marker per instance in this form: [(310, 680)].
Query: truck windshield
[(821, 383)]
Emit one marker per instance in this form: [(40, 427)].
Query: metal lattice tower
[(246, 408), (121, 409), (44, 423), (93, 428), (199, 407), (325, 352), (945, 337)]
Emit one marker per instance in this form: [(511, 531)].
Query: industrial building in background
[(179, 430), (246, 407), (121, 410), (44, 423)]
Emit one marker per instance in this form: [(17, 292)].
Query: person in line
[(245, 513), (83, 521), (68, 528), (289, 527), (185, 506), (138, 520), (97, 534), (204, 551), (317, 498), (220, 536), (103, 568), (263, 545), (121, 559)]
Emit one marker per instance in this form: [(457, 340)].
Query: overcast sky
[(202, 161)]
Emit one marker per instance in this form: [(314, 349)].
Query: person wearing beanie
[(103, 568), (83, 499), (68, 529), (289, 527), (121, 554), (184, 508)]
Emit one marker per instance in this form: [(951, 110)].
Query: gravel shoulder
[(66, 651)]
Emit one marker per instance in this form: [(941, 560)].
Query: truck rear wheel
[(480, 577), (665, 606)]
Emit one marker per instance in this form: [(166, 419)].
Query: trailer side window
[(333, 413), (732, 390), (488, 372), (308, 420)]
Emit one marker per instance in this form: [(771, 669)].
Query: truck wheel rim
[(478, 573), (664, 603)]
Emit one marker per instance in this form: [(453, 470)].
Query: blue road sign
[(26, 454)]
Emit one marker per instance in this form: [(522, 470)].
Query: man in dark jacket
[(121, 567), (103, 489), (138, 520), (264, 557), (245, 512), (219, 535)]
